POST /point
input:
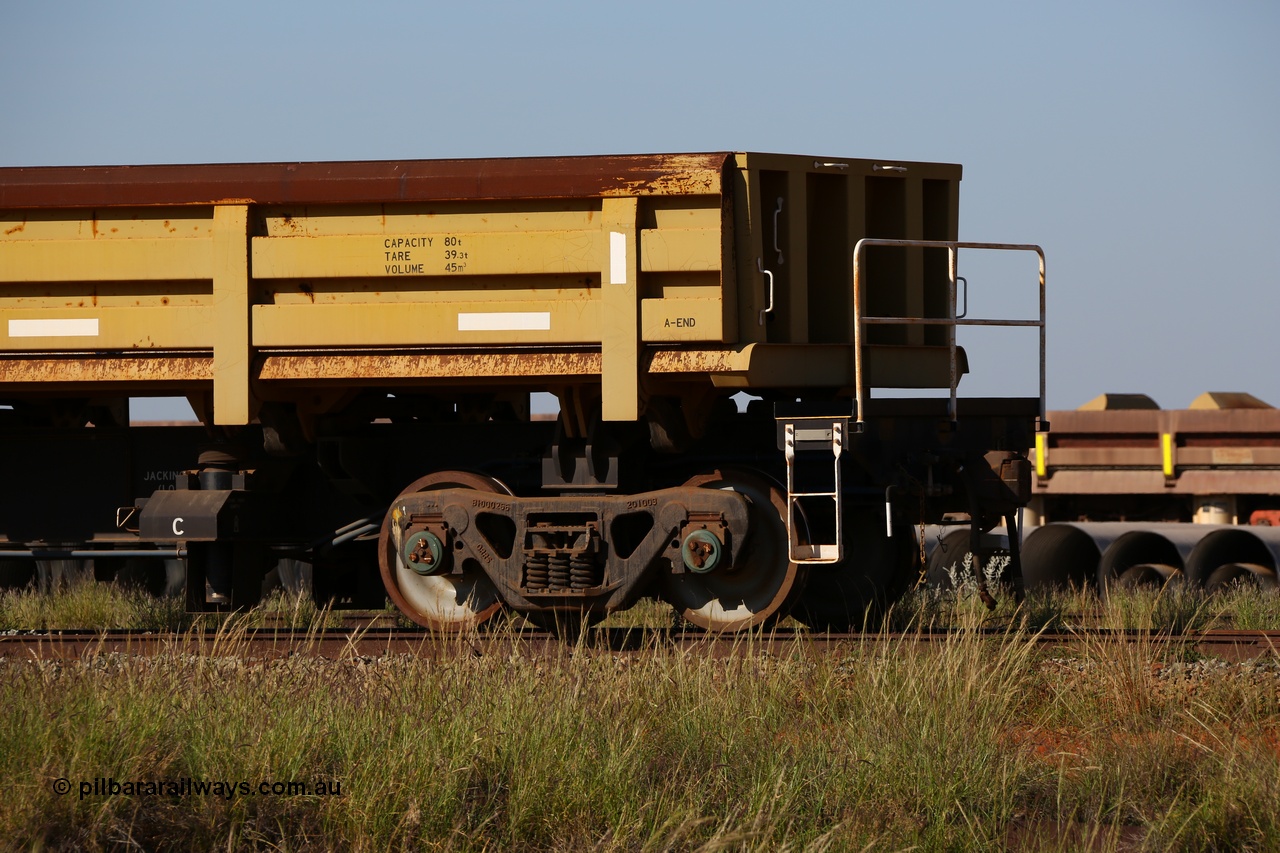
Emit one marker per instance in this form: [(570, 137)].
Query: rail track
[(269, 643)]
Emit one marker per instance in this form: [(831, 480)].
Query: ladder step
[(827, 553), (810, 434)]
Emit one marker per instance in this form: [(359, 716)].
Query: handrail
[(952, 247)]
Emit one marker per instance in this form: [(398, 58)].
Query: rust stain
[(430, 365), (164, 300), (686, 177), (307, 289), (695, 361), (99, 370), (21, 226), (93, 223), (363, 181)]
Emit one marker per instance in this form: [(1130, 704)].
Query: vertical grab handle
[(768, 274), (776, 247)]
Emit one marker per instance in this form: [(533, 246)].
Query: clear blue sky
[(1138, 142)]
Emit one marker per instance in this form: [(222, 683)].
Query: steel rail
[(258, 643)]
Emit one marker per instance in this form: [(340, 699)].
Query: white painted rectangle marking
[(617, 257), (504, 321), (66, 328)]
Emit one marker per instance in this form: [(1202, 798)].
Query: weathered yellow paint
[(123, 223), (231, 401), (680, 286), (105, 260), (663, 250), (427, 254), (436, 253), (51, 296), (315, 277), (803, 365), (680, 319), (692, 213), (419, 291), (137, 328), (620, 304), (434, 324), (493, 217)]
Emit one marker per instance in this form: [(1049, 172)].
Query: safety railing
[(951, 322)]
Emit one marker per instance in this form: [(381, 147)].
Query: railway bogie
[(360, 342)]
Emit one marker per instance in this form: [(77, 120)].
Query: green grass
[(90, 606), (98, 606), (971, 743), (1175, 609), (974, 742)]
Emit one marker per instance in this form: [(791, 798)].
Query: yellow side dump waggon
[(314, 312)]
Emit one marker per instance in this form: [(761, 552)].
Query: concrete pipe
[(1095, 554), (1147, 555), (1234, 574), (1229, 554)]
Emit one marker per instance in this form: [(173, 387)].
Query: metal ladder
[(807, 435)]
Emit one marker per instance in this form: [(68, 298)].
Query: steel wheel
[(762, 583), (449, 602)]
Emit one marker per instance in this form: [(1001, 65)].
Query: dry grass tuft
[(976, 742)]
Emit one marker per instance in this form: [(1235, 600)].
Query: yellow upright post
[(231, 314), (620, 304)]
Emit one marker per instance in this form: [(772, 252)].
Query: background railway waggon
[(1125, 492), (360, 341)]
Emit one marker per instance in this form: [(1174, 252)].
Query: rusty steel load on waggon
[(1128, 493), (360, 342)]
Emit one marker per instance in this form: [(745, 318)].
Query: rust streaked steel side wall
[(652, 264), (1120, 452), (362, 181)]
